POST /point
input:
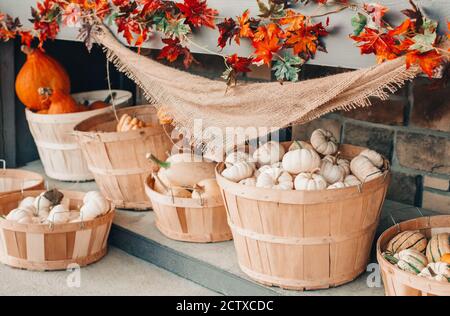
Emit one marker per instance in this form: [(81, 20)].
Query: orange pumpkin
[(60, 102), (98, 105), (445, 258), (39, 70)]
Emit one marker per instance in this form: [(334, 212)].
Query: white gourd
[(185, 157), (337, 185), (42, 204), (334, 169), (238, 171), (301, 160), (309, 181), (205, 189), (275, 178), (351, 180), (364, 169), (17, 214), (235, 157), (26, 220), (324, 142), (374, 157), (439, 271), (251, 182), (299, 144), (411, 260), (269, 153), (58, 215), (29, 200), (94, 205)]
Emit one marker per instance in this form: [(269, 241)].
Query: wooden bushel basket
[(304, 239), (58, 149), (117, 159), (401, 283), (52, 247), (193, 220), (14, 180)]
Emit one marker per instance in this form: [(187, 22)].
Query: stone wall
[(412, 130)]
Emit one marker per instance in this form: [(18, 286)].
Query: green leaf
[(429, 24), (178, 29), (359, 21), (111, 18), (424, 42), (161, 23), (287, 69)]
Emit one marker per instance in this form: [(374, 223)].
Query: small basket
[(401, 283), (304, 240), (15, 180), (117, 159), (185, 219), (52, 247), (58, 148)]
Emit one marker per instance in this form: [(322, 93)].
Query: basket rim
[(406, 275), (55, 228), (9, 173), (302, 196), (180, 202)]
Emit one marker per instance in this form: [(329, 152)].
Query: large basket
[(44, 247), (192, 220), (14, 180), (117, 159), (304, 239), (58, 148), (401, 283)]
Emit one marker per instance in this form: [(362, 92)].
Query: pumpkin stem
[(45, 91), (298, 144), (162, 164), (26, 50)]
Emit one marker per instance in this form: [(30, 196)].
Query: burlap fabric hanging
[(187, 97)]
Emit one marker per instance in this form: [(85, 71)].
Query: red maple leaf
[(150, 6), (197, 13), (382, 45), (26, 38), (227, 30), (127, 26), (245, 25), (173, 50), (239, 64), (403, 29), (428, 61)]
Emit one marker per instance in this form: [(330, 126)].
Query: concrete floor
[(116, 274)]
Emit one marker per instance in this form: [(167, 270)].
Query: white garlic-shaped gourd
[(364, 169), (351, 180), (94, 205), (251, 182), (42, 204), (267, 167), (337, 185), (235, 157), (269, 153), (309, 181), (301, 160), (29, 200), (58, 215), (334, 169), (376, 159), (299, 144), (206, 188), (19, 213), (324, 142), (238, 171), (436, 270), (275, 178)]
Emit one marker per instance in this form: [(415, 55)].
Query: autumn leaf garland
[(281, 38)]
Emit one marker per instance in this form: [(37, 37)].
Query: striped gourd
[(438, 245), (411, 260), (407, 240)]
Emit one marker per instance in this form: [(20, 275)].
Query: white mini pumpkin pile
[(304, 166), (412, 252), (185, 175), (47, 208)]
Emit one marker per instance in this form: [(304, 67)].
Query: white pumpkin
[(235, 157), (58, 215), (374, 157), (299, 144), (301, 160), (364, 169), (185, 157), (42, 204), (309, 181), (18, 213), (238, 171), (205, 189), (351, 180), (439, 271), (334, 169), (337, 185), (94, 205), (324, 142), (251, 182), (29, 200), (269, 153), (267, 167), (275, 178)]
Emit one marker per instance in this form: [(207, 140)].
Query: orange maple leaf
[(382, 45), (428, 61), (403, 28), (303, 41), (266, 41), (293, 19), (244, 25)]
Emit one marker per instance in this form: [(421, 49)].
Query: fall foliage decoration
[(282, 38)]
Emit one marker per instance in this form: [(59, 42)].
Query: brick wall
[(412, 130)]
